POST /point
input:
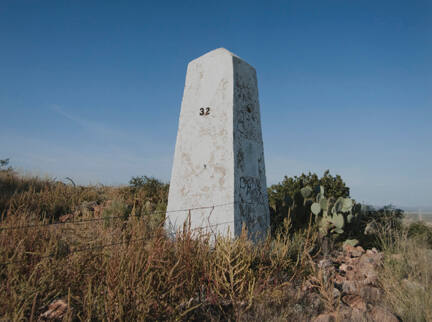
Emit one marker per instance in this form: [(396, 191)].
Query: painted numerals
[(204, 111)]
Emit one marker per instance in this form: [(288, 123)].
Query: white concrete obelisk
[(219, 156)]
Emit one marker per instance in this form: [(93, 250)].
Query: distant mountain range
[(409, 209), (423, 210)]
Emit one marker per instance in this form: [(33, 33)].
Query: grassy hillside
[(98, 253)]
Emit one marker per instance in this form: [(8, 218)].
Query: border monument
[(218, 181)]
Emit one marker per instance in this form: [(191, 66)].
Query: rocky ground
[(351, 277), (345, 284)]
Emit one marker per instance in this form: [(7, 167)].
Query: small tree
[(4, 165)]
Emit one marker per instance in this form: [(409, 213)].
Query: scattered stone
[(360, 249), (326, 317), (88, 205), (370, 293), (347, 249), (382, 315), (336, 293), (371, 229), (354, 272), (353, 251), (298, 308), (344, 267), (98, 211), (357, 316), (374, 259), (324, 263), (339, 280), (56, 311), (349, 287), (355, 301), (306, 286), (66, 217), (352, 242), (314, 301)]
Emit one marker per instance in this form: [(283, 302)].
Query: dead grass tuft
[(406, 276)]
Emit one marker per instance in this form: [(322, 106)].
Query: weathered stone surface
[(219, 157), (353, 251), (370, 293), (349, 287), (355, 301), (326, 317), (382, 315), (56, 311)]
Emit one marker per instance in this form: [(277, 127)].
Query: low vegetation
[(100, 253), (406, 275)]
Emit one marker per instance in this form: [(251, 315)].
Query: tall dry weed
[(121, 266), (406, 276)]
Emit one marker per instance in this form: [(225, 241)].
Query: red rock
[(374, 259), (360, 249), (66, 217), (353, 251), (349, 287), (370, 293), (326, 317), (336, 293), (351, 275), (382, 315), (355, 301), (324, 263), (343, 267), (338, 279), (347, 249), (370, 277), (56, 310), (357, 316), (306, 286)]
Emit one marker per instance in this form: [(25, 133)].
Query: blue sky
[(92, 90)]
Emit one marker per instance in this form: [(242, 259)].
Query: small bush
[(285, 198), (4, 165), (114, 209), (421, 231), (47, 198)]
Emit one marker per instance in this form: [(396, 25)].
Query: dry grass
[(406, 276), (143, 275), (127, 269)]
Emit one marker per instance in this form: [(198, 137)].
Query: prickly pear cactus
[(310, 204), (341, 213)]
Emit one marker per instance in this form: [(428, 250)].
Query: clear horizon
[(92, 91)]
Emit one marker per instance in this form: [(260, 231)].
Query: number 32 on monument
[(204, 111)]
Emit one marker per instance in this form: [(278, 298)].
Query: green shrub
[(286, 199), (325, 203), (115, 208), (147, 198), (422, 231), (4, 165)]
